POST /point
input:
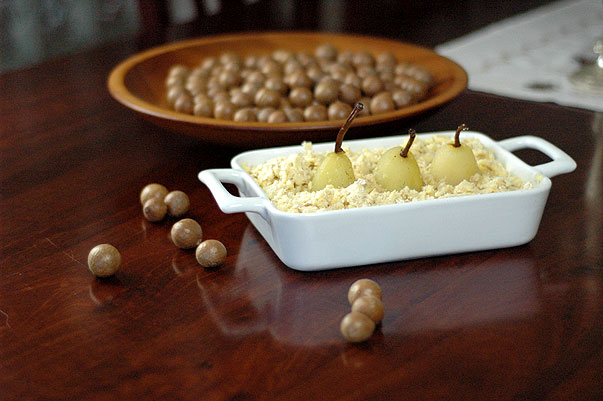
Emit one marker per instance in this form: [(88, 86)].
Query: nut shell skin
[(152, 191), (356, 327), (364, 286), (224, 109), (326, 51), (263, 114), (338, 111), (349, 93), (369, 306), (186, 234), (277, 116), (154, 210), (245, 115), (211, 253), (326, 92), (267, 98), (382, 102), (104, 260), (315, 112), (177, 203)]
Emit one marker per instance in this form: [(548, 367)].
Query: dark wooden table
[(522, 323)]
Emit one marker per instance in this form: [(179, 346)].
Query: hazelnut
[(298, 78), (154, 210), (277, 116), (300, 96), (339, 111), (241, 99), (349, 93), (386, 58), (204, 106), (104, 260), (177, 203), (352, 79), (402, 98), (345, 57), (326, 92), (152, 191), (267, 98), (292, 66), (357, 327), (178, 70), (230, 57), (175, 81), (294, 115), (184, 104), (209, 63), (372, 85), (363, 287), (382, 103), (315, 73), (224, 109), (363, 58), (250, 88), (370, 306), (256, 78), (315, 112), (245, 115), (174, 93), (276, 84), (211, 253), (412, 85), (326, 51), (186, 234), (263, 114)]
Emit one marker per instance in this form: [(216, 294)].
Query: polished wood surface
[(139, 84), (522, 323)]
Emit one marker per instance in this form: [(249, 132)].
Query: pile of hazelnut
[(185, 233), (296, 87), (104, 260)]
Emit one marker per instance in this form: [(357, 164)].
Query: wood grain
[(522, 323)]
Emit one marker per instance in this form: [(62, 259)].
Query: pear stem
[(412, 134), (457, 141), (358, 107)]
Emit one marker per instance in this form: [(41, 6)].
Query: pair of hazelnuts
[(104, 260), (397, 168)]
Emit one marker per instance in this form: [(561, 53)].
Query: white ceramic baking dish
[(361, 236)]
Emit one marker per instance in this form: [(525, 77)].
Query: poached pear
[(398, 168), (336, 168), (454, 162)]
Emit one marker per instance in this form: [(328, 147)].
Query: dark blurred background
[(32, 31)]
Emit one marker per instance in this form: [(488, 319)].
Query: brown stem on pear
[(457, 141), (412, 134), (358, 107)]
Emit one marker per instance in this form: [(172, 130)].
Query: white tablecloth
[(531, 56)]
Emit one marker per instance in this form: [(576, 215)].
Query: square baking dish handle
[(228, 203), (561, 162)]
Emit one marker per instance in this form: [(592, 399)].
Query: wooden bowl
[(139, 84)]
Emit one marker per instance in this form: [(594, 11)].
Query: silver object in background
[(590, 77)]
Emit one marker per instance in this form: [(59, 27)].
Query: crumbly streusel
[(285, 180)]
